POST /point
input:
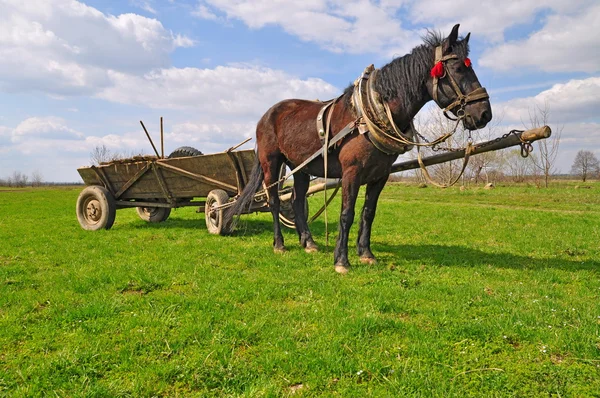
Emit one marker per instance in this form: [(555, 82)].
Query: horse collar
[(375, 117)]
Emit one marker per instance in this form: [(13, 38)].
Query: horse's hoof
[(368, 260), (311, 249), (341, 269), (279, 250)]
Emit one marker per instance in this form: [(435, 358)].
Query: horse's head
[(454, 86)]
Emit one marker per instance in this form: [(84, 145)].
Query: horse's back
[(290, 127)]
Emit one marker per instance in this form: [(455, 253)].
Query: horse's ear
[(451, 40), (468, 37)]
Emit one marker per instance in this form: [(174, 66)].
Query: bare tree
[(487, 163), (17, 179), (585, 164), (545, 159), (517, 167), (36, 178), (435, 125), (100, 154)]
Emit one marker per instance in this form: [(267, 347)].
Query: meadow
[(476, 293)]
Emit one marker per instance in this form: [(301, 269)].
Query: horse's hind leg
[(271, 167), (363, 244), (301, 182), (350, 187)]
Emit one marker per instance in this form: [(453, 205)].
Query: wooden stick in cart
[(149, 139), (162, 139)]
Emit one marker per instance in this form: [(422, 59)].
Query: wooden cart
[(156, 185)]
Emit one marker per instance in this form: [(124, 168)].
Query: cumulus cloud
[(44, 127), (488, 18), (65, 47), (356, 26), (235, 90), (576, 100), (565, 44)]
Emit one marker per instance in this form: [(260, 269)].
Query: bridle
[(461, 100)]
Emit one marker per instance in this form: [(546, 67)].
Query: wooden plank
[(161, 182), (132, 180), (198, 177)]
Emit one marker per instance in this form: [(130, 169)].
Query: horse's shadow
[(435, 255), (460, 256)]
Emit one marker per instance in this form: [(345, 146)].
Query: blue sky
[(78, 74)]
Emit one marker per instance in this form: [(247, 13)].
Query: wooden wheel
[(153, 214), (96, 208), (286, 208), (217, 221)]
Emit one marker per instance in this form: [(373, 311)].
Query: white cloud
[(357, 26), (65, 47), (44, 127), (488, 18), (144, 5), (565, 44), (576, 100), (203, 12), (236, 90)]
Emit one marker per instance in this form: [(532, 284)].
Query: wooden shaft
[(162, 139), (314, 189), (512, 140), (149, 139)]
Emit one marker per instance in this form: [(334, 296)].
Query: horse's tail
[(244, 201)]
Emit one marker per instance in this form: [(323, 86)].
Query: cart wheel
[(96, 208), (153, 214), (287, 215), (215, 218), (184, 151), (286, 209)]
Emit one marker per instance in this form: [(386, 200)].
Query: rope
[(469, 149)]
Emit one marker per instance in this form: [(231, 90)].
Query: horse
[(438, 69)]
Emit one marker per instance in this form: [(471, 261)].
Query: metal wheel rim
[(92, 211), (213, 215), (150, 211)]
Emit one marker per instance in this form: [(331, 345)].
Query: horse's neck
[(405, 107), (404, 113)]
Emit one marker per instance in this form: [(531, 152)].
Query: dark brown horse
[(287, 134)]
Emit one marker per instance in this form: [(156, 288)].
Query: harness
[(375, 118), (461, 99)]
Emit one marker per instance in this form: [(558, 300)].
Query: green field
[(476, 293)]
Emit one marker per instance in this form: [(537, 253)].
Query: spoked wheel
[(286, 208), (153, 214), (96, 208), (217, 221)]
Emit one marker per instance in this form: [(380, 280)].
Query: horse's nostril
[(486, 116)]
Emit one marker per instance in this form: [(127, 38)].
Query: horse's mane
[(405, 76)]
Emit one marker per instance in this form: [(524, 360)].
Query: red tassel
[(437, 70), (467, 62)]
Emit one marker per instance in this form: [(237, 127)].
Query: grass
[(476, 293)]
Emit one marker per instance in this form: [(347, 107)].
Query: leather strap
[(321, 125)]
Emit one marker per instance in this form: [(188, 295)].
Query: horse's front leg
[(350, 187), (363, 243)]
